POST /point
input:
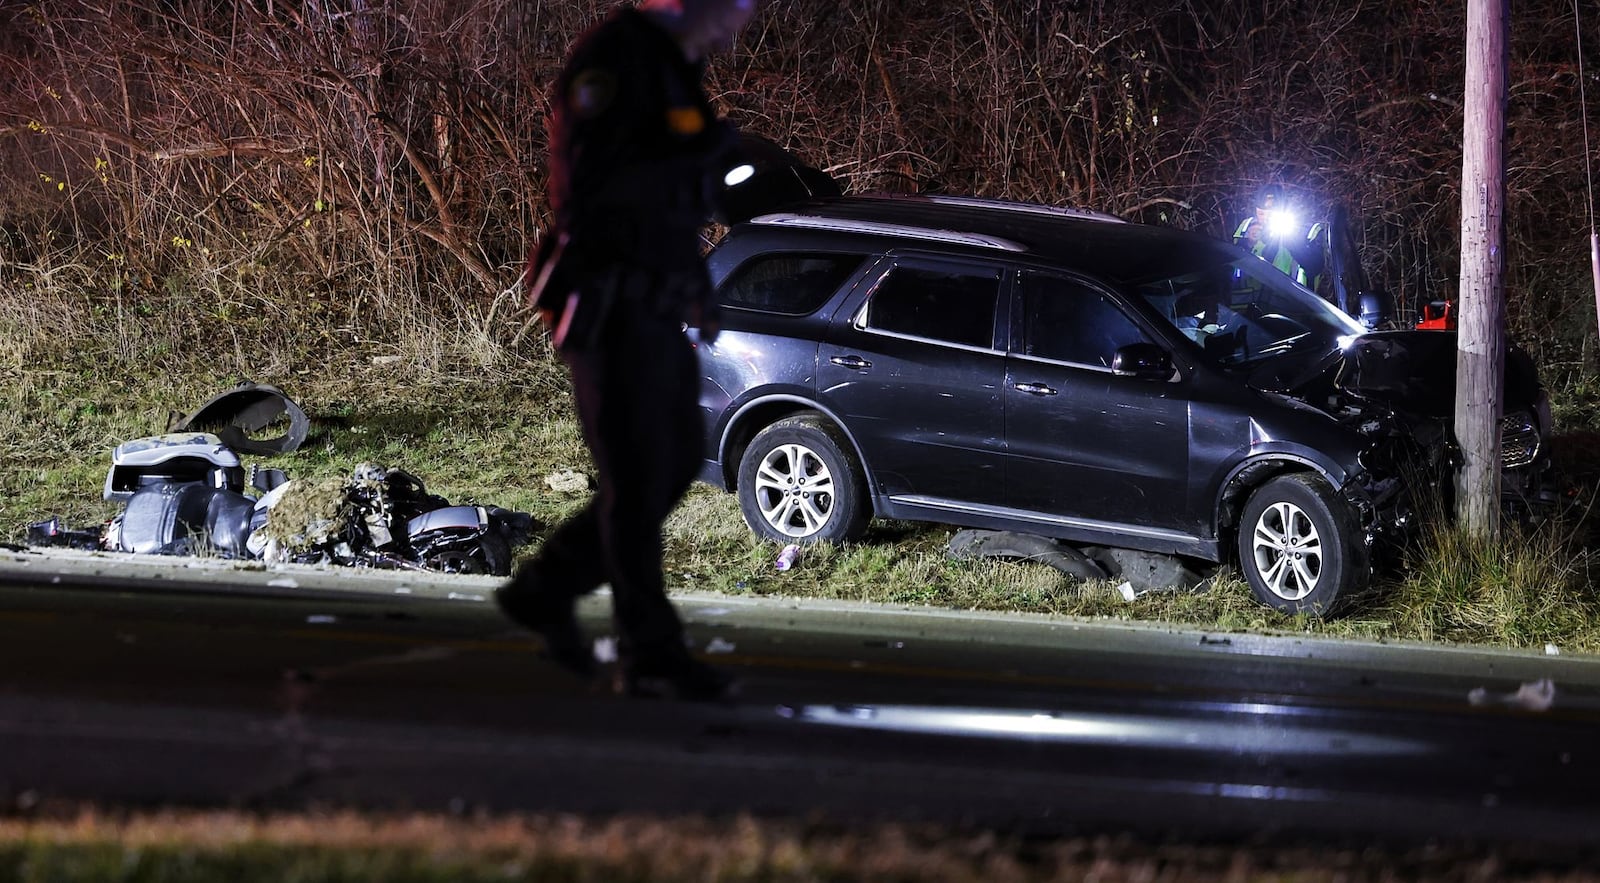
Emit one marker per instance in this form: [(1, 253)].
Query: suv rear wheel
[(1299, 546), (798, 481)]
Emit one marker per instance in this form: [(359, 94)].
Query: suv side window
[(954, 306), (1067, 321), (792, 284)]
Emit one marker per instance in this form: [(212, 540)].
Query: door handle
[(1035, 389), (855, 363)]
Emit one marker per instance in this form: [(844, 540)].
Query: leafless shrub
[(315, 174)]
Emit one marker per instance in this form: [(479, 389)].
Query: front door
[(1087, 448)]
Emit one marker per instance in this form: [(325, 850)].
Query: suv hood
[(1411, 372)]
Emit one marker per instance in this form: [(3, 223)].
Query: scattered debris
[(50, 532), (250, 408), (1552, 650), (1139, 572), (718, 645), (605, 649), (1145, 571), (1537, 695), (186, 493), (787, 558), (1007, 544)]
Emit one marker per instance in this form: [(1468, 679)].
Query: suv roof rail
[(1033, 208), (882, 228)]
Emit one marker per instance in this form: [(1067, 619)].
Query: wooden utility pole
[(1480, 355)]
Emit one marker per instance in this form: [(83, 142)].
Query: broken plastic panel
[(250, 408)]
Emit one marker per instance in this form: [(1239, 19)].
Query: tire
[(1300, 547), (470, 553), (799, 482)]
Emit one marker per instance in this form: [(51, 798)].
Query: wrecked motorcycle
[(188, 494)]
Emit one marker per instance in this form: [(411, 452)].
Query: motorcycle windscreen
[(763, 177)]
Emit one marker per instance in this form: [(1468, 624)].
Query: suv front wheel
[(799, 482), (1299, 546)]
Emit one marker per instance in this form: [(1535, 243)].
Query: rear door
[(775, 306), (914, 368), (1088, 449)]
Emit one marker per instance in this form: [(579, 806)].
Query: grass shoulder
[(87, 846), (495, 442)]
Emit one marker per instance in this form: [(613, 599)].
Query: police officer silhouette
[(635, 156)]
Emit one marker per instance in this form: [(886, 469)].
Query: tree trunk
[(1480, 359)]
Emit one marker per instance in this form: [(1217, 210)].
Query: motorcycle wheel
[(485, 554)]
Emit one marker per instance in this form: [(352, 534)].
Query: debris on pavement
[(1537, 695)]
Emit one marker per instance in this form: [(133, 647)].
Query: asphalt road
[(148, 682)]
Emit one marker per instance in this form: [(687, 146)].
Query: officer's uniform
[(633, 142), (1297, 255)]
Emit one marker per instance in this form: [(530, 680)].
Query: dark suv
[(1062, 373)]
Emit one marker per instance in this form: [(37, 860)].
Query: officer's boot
[(530, 600)]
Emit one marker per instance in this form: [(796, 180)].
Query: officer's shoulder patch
[(592, 91), (686, 120)]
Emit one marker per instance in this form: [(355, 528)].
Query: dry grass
[(229, 847), (496, 443)]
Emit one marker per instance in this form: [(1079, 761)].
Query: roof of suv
[(1100, 244)]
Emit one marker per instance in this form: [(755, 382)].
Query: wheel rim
[(455, 562), (1288, 551), (794, 490)]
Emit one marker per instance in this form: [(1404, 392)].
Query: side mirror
[(1376, 309), (1145, 361)]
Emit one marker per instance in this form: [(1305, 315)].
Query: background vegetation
[(274, 184), (335, 195)]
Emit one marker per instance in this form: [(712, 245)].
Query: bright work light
[(1282, 223)]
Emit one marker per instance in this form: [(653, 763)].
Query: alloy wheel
[(1287, 551), (794, 490)]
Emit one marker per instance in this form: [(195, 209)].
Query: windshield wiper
[(1282, 346)]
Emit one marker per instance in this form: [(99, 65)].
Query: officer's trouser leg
[(637, 402)]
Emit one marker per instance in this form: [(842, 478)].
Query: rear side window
[(789, 284), (937, 304)]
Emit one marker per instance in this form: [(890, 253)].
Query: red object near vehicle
[(1439, 315)]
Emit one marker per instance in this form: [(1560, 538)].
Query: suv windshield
[(1247, 311)]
